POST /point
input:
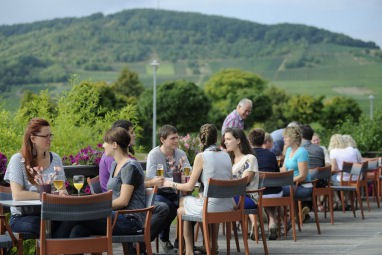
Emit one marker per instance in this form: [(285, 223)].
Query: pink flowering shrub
[(86, 156), (190, 145)]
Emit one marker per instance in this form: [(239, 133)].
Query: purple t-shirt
[(104, 170)]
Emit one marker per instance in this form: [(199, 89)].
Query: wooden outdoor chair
[(220, 189), (323, 175), (75, 208), (354, 188), (372, 178), (7, 238), (276, 179), (145, 235)]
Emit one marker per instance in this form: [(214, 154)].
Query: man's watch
[(174, 185)]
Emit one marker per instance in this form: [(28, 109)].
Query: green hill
[(190, 46)]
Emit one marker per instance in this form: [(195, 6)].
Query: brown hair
[(120, 136), (166, 130), (244, 146), (208, 135), (256, 137), (28, 151)]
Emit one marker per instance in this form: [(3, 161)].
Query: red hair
[(30, 158)]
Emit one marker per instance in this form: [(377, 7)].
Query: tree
[(179, 103), (337, 109), (279, 99), (128, 86), (304, 108), (227, 87)]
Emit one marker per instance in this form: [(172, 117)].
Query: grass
[(342, 71)]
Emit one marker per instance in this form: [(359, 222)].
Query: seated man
[(170, 157)]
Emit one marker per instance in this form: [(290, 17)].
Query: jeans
[(172, 202), (299, 192), (31, 225), (158, 218), (125, 225)]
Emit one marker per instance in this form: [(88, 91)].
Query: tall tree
[(179, 103), (128, 86), (228, 86)]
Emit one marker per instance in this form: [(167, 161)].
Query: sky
[(360, 19)]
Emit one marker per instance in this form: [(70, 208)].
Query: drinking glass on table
[(78, 182), (58, 182), (160, 170)]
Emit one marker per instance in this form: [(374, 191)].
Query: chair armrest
[(336, 172), (261, 190)]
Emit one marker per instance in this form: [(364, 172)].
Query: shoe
[(305, 214), (273, 232), (166, 246)]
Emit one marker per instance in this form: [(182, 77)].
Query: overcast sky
[(359, 19)]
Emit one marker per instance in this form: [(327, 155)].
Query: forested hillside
[(49, 51)]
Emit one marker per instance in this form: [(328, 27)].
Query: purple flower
[(86, 156)]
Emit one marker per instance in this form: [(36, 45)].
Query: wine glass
[(58, 182), (78, 182)]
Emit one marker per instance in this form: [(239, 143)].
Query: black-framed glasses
[(50, 136)]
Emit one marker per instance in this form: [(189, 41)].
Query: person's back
[(217, 165), (341, 155), (267, 163), (315, 152), (278, 142)]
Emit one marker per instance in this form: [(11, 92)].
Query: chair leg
[(299, 210), (206, 238), (314, 201), (180, 229), (343, 201), (245, 235), (228, 236), (360, 203), (330, 197), (234, 227), (293, 220), (367, 197), (376, 193), (265, 246)]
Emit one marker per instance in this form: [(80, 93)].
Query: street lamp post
[(371, 97), (155, 65)]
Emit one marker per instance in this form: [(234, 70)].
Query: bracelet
[(174, 185)]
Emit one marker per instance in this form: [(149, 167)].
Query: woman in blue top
[(296, 160)]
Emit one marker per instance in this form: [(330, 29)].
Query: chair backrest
[(321, 173), (150, 196), (225, 188), (76, 208), (358, 169), (94, 185), (372, 164), (275, 179), (347, 166)]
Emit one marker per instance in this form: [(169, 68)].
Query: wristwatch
[(174, 185)]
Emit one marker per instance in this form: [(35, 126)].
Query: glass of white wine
[(78, 182), (58, 182)]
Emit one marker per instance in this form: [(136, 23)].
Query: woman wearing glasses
[(24, 173)]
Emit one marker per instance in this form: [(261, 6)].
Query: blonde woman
[(296, 160), (349, 141)]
